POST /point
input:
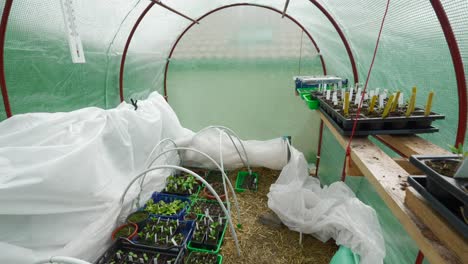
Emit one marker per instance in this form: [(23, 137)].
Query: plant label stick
[(377, 91), (346, 103), (325, 86), (388, 106), (381, 100), (396, 101), (401, 100), (358, 97), (414, 91), (351, 91), (340, 84), (409, 110), (372, 103), (155, 261), (427, 111), (366, 96), (174, 242), (343, 91), (328, 95)]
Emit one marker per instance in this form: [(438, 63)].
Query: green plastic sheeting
[(235, 68), (344, 255)]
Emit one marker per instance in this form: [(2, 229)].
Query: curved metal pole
[(233, 231), (223, 174), (127, 45), (459, 69), (236, 5), (342, 36), (3, 28)]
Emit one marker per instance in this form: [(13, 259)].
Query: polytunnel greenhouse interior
[(286, 131)]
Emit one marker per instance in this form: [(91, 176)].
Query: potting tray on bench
[(417, 123), (439, 185), (185, 228), (123, 249), (449, 209)]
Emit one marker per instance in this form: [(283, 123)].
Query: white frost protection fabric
[(62, 174), (328, 212)]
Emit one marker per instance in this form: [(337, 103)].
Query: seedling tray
[(215, 202), (439, 185), (449, 210), (206, 248), (377, 132), (185, 228), (241, 176), (417, 123), (168, 198), (125, 246), (194, 194), (219, 258)]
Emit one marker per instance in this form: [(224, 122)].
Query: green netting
[(236, 68)]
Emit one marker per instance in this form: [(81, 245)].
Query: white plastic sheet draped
[(329, 212)]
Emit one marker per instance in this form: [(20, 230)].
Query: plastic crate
[(219, 257), (186, 231), (240, 180), (168, 198), (218, 247), (313, 104)]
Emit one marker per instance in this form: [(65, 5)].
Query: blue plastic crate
[(187, 232), (168, 198)]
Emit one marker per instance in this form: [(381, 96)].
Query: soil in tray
[(161, 233), (214, 176), (217, 186), (201, 206), (201, 258), (444, 167), (250, 182)]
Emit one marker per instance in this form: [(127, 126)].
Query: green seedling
[(458, 150)]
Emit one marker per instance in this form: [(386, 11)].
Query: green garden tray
[(240, 180)]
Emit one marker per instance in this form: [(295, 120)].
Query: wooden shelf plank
[(388, 178), (408, 167), (412, 145), (439, 226)]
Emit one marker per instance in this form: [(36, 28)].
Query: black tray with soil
[(122, 252), (214, 176), (449, 208), (440, 170), (374, 124), (200, 206), (378, 132)]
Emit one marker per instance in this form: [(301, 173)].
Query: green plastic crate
[(220, 242), (344, 255), (240, 180), (313, 104), (218, 256)]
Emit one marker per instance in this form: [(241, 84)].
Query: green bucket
[(313, 104), (241, 175)]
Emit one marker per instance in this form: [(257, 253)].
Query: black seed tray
[(448, 210), (367, 132), (440, 185), (415, 124)]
